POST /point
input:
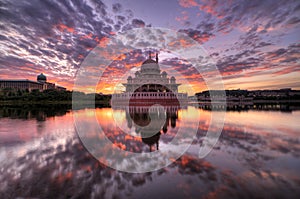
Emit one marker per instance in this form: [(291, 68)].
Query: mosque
[(150, 85)]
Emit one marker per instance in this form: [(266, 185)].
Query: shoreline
[(49, 102), (21, 103)]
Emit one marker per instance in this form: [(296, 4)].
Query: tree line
[(50, 95)]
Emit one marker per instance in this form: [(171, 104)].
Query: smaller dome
[(164, 73), (129, 77), (41, 77), (172, 80)]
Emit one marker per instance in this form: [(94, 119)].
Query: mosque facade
[(150, 85)]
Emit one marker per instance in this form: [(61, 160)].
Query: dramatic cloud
[(54, 37), (137, 23), (200, 36), (117, 7)]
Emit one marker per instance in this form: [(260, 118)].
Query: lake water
[(256, 156)]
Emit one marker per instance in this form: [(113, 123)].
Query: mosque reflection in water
[(151, 122)]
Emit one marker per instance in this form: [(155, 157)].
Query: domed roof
[(164, 73), (172, 77), (150, 140), (129, 77), (41, 77), (149, 61), (150, 66)]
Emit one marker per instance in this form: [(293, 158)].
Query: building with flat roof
[(25, 84)]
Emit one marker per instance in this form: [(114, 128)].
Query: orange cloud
[(188, 3), (103, 42), (62, 27), (88, 36), (183, 18), (180, 43), (287, 70)]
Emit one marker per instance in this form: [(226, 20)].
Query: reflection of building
[(153, 140), (150, 84), (150, 122), (40, 84)]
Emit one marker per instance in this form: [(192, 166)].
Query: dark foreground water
[(257, 156)]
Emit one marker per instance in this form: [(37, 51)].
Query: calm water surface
[(257, 156)]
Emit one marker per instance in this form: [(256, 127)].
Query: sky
[(254, 44)]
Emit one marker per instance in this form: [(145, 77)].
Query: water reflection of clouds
[(136, 143), (249, 161)]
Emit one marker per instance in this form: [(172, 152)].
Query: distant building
[(245, 95), (41, 84), (60, 88), (21, 84), (224, 95)]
